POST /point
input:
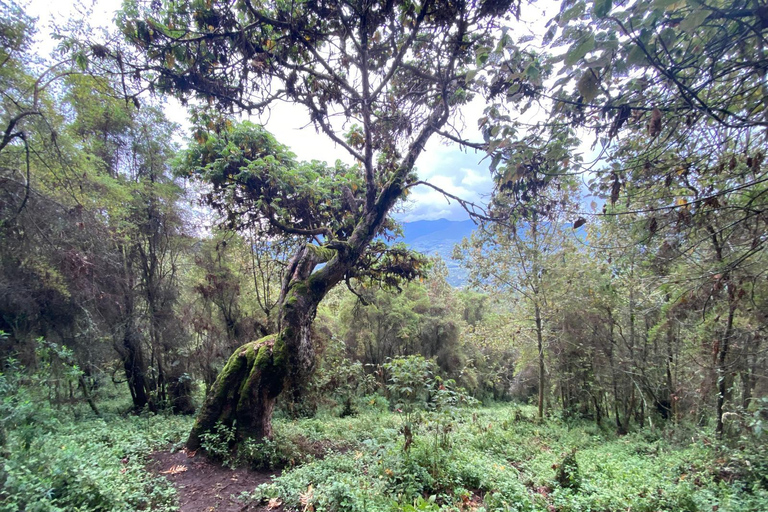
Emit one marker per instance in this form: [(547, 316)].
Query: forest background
[(624, 285)]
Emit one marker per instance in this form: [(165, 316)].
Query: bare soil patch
[(203, 486)]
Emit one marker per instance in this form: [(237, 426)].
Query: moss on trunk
[(244, 393)]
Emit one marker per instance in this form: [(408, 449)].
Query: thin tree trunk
[(540, 345), (135, 370), (747, 376), (88, 398), (133, 359), (671, 405), (723, 345), (722, 381)]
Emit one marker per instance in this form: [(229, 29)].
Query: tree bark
[(540, 346), (133, 359), (722, 357), (721, 354), (87, 395), (244, 394), (135, 369)]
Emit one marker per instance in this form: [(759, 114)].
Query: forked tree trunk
[(135, 369), (244, 394), (133, 359)]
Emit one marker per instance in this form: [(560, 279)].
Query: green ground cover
[(500, 458), (491, 458)]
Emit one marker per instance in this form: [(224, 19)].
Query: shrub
[(567, 475), (89, 465)]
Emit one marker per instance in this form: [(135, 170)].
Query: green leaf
[(533, 73), (589, 85), (549, 35), (636, 57), (601, 8), (81, 60), (579, 49), (603, 60), (668, 36), (482, 55), (571, 13), (495, 161), (663, 4), (694, 20)]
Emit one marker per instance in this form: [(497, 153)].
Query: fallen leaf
[(274, 503), (305, 498), (175, 470)]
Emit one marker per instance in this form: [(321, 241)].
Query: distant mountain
[(439, 236)]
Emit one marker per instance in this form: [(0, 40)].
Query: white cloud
[(459, 172), (473, 178), (290, 124)]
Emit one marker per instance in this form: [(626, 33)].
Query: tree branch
[(473, 209)]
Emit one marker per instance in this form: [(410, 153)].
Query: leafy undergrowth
[(502, 459), (491, 459), (53, 461)]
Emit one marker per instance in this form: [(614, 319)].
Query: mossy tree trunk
[(244, 393), (247, 388)]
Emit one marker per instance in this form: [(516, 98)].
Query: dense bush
[(498, 459), (66, 459)]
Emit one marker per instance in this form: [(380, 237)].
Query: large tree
[(393, 74)]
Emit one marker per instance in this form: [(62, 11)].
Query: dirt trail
[(207, 487)]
